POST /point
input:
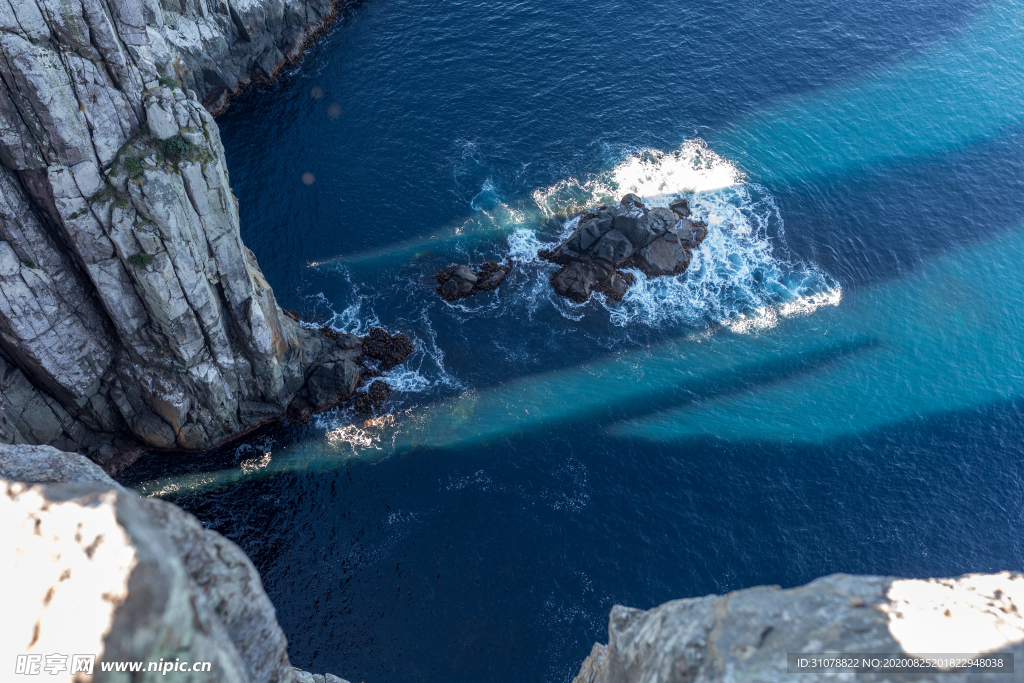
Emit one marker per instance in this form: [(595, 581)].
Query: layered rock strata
[(101, 571), (608, 239), (130, 310), (747, 635)]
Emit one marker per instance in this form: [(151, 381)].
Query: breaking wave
[(742, 276)]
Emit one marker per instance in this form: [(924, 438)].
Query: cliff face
[(747, 635), (128, 303), (101, 571)]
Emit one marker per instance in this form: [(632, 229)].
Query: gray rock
[(139, 578), (609, 238), (632, 199), (746, 635), (459, 281), (666, 255), (161, 122), (143, 287), (306, 677), (681, 207), (332, 382), (349, 341), (575, 281), (613, 247), (47, 465)]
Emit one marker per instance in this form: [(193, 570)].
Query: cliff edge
[(130, 310), (747, 635), (104, 573)]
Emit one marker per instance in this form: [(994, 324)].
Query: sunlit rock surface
[(101, 571), (746, 635), (130, 310)]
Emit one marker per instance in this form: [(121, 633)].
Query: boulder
[(613, 247), (153, 431), (332, 382), (575, 281), (460, 282), (666, 255), (658, 241), (681, 207), (386, 351)]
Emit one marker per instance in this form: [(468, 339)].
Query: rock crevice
[(130, 310)]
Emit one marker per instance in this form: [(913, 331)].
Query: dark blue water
[(836, 385)]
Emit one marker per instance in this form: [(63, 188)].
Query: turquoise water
[(835, 385)]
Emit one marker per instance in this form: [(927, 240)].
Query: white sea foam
[(742, 275), (654, 175)]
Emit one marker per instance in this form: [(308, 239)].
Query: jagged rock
[(658, 241), (460, 282), (386, 350), (373, 399), (680, 206), (747, 635), (129, 307), (666, 255), (100, 570), (306, 677), (332, 382), (154, 431)]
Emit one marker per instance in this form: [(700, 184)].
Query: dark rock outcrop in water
[(101, 571), (130, 310), (386, 350), (373, 399), (460, 282), (657, 241), (747, 635), (347, 365)]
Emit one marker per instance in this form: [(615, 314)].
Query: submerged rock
[(657, 241), (459, 281)]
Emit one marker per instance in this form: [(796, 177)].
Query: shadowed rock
[(657, 241), (373, 400), (459, 281), (386, 350)]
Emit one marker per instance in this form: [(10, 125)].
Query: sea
[(835, 385)]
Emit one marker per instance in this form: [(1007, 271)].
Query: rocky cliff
[(747, 635), (129, 307), (101, 571)]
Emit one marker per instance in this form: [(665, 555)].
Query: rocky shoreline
[(131, 314), (748, 635)]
